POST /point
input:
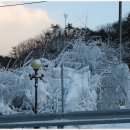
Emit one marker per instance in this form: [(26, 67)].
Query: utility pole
[(62, 89), (62, 95), (120, 29), (65, 16)]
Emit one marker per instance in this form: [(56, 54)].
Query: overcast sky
[(22, 22)]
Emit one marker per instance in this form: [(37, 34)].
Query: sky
[(20, 23)]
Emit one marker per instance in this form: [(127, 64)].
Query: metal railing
[(65, 119)]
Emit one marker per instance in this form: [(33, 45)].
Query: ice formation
[(93, 79)]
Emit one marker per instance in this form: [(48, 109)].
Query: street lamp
[(36, 64)]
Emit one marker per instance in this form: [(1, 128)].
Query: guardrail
[(65, 119)]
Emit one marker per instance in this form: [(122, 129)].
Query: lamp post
[(36, 64)]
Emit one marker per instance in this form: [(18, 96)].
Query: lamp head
[(36, 64)]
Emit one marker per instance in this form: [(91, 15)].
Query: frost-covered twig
[(8, 64), (27, 58), (14, 63)]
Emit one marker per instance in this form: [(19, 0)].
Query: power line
[(27, 3)]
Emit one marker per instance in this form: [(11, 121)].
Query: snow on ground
[(101, 126)]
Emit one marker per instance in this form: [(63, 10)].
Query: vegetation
[(50, 43)]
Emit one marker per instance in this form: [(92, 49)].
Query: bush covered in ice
[(93, 79)]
